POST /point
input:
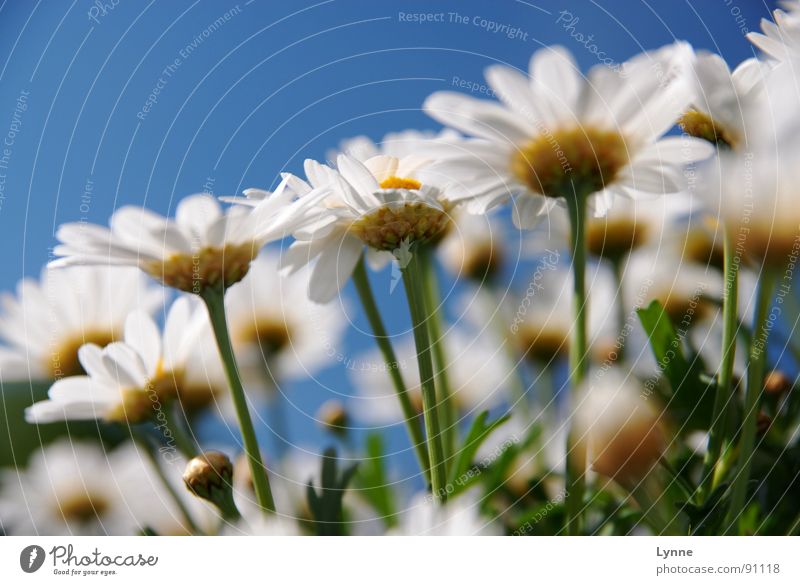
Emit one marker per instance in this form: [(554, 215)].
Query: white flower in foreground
[(203, 246), (556, 133), (46, 322), (479, 376), (721, 99), (75, 488), (274, 325), (621, 429), (460, 517), (780, 40), (383, 203), (127, 380)]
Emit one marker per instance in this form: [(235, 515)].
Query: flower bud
[(333, 416), (777, 383), (209, 476), (763, 422)]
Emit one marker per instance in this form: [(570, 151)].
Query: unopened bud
[(208, 476), (333, 416), (763, 422), (777, 383)]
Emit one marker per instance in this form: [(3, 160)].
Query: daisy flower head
[(203, 246), (127, 381), (48, 320), (624, 431), (275, 328), (721, 99), (385, 203), (76, 488), (556, 135)]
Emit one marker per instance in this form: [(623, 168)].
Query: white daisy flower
[(76, 488), (203, 246), (623, 430), (629, 225), (478, 370), (542, 325), (383, 203), (721, 98), (780, 40), (474, 246), (127, 381), (396, 144), (274, 325), (460, 517), (47, 321), (556, 132)]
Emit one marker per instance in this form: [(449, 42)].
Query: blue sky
[(246, 97)]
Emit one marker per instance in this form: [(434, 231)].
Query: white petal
[(141, 333), (479, 118), (333, 269)]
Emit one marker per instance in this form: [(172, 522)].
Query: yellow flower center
[(63, 359), (208, 267), (561, 163), (613, 238), (82, 507), (388, 226), (271, 335), (543, 345), (701, 125), (400, 183), (140, 404), (701, 248)]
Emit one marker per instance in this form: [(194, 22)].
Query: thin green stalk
[(392, 366), (518, 385), (147, 446), (730, 304), (185, 443), (622, 315), (447, 402), (412, 279), (755, 388), (575, 477), (214, 298)]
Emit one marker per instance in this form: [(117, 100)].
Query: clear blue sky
[(269, 85)]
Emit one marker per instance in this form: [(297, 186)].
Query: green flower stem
[(447, 402), (622, 315), (147, 446), (214, 298), (183, 441), (518, 386), (575, 476), (755, 388), (413, 426), (718, 430), (412, 278)]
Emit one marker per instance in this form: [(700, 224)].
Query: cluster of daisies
[(604, 369)]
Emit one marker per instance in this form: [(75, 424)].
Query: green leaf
[(373, 482), (691, 400), (476, 436), (326, 505)]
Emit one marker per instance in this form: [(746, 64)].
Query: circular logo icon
[(31, 558)]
